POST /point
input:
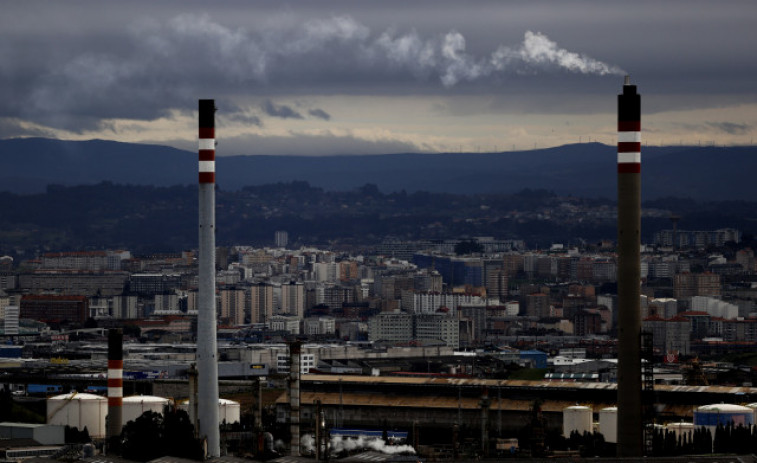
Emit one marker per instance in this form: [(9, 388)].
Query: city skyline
[(321, 78)]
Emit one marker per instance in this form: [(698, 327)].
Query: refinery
[(635, 347)]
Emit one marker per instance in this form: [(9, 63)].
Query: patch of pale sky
[(431, 129)]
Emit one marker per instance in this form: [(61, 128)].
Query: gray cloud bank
[(158, 66), (280, 111), (730, 128)]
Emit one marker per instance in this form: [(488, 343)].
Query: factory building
[(53, 308)]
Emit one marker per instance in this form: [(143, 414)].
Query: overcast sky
[(354, 76)]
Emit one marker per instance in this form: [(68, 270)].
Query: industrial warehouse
[(438, 415)]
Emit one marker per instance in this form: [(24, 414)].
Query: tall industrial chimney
[(192, 376), (207, 366), (294, 397), (630, 431), (115, 381)]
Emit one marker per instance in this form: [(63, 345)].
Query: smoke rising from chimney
[(155, 68), (341, 43)]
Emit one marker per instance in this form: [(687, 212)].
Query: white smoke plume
[(337, 444), (279, 445), (540, 52), (160, 65), (340, 43), (307, 443)]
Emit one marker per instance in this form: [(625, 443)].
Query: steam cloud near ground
[(337, 445)]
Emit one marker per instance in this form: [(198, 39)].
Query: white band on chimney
[(115, 374), (115, 392), (207, 166), (629, 137), (207, 143), (629, 157)]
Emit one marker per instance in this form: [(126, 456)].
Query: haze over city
[(318, 78)]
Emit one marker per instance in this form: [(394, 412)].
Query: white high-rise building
[(284, 323), (431, 302), (307, 362), (320, 325), (5, 301), (326, 271), (715, 307), (11, 319), (392, 327), (293, 299), (282, 239), (442, 327), (261, 303), (232, 306), (664, 307), (125, 307), (167, 304)]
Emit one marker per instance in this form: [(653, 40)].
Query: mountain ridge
[(29, 165)]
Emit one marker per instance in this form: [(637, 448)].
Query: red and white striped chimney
[(207, 146), (629, 130), (207, 349), (630, 426), (115, 381)]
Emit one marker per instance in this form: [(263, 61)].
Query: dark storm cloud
[(280, 111), (73, 64), (228, 110), (320, 114), (154, 66), (242, 118)]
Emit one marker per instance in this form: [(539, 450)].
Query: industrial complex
[(290, 356)]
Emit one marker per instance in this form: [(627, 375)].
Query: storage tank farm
[(229, 411), (576, 418), (753, 406), (710, 416), (608, 424), (115, 382), (79, 410), (681, 428), (134, 406)]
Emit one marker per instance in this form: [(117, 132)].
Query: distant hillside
[(148, 219), (584, 170)]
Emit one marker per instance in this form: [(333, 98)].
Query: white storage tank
[(710, 416), (608, 424), (228, 410), (79, 410), (576, 418), (753, 406), (134, 406), (681, 428)]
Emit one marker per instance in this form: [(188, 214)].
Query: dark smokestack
[(115, 381), (630, 428), (207, 359), (193, 386), (485, 403), (294, 397)]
